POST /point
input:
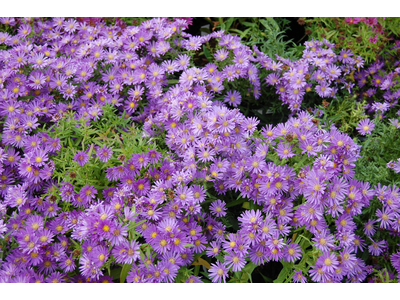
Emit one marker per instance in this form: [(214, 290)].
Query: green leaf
[(116, 273), (202, 262), (249, 268), (207, 53), (236, 202), (282, 276), (228, 23), (124, 272), (134, 225)]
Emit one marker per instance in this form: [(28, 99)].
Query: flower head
[(365, 126), (218, 272)]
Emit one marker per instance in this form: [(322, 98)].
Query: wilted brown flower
[(325, 103), (301, 21), (289, 137), (171, 194)]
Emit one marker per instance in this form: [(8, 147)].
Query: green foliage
[(266, 33), (111, 130), (356, 36), (344, 112), (382, 276), (309, 257), (134, 21), (377, 150)]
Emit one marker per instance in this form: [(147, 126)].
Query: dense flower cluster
[(378, 83), (61, 74), (320, 70), (298, 175), (237, 163)]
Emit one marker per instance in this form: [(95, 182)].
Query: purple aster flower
[(140, 159), (205, 154), (251, 219), (199, 244), (358, 243), (32, 244), (3, 229), (162, 244), (89, 268), (249, 125), (345, 222), (29, 122), (81, 158), (255, 164), (299, 277), (323, 90), (127, 252), (258, 255), (369, 228), (315, 187), (333, 71), (233, 98), (385, 216), (237, 262), (391, 164), (284, 150), (318, 275), (324, 241), (55, 277), (170, 270), (39, 61), (221, 54), (365, 126), (348, 258), (100, 255), (218, 208), (214, 249), (194, 279), (88, 193), (16, 196), (328, 261), (376, 248), (153, 156), (104, 153), (345, 238), (129, 214), (67, 264), (218, 272), (37, 80), (47, 266), (13, 157), (345, 56), (292, 252), (39, 157), (45, 236), (118, 234), (395, 123)]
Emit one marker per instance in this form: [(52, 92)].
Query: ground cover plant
[(130, 152)]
